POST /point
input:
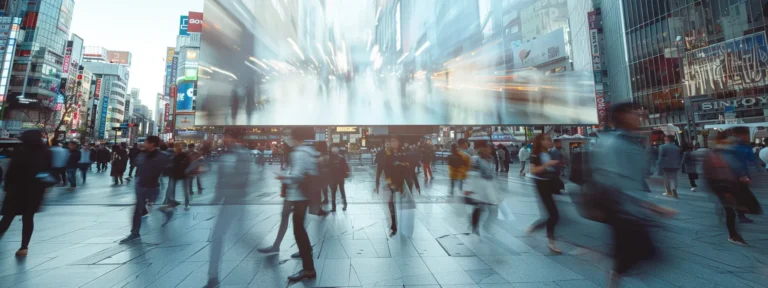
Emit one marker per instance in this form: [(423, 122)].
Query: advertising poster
[(195, 22), (183, 24), (185, 97), (168, 71), (103, 121), (436, 65)]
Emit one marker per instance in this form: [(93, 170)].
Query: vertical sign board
[(67, 59), (174, 68), (594, 18), (168, 65), (183, 24), (104, 108), (167, 117)]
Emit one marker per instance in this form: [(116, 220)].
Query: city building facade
[(690, 61)]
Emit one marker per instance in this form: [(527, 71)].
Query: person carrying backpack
[(458, 165), (302, 192), (339, 172)]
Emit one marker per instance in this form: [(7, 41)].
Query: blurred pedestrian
[(412, 179), (73, 162), (103, 157), (59, 159), (86, 161), (668, 164), (619, 169), (339, 172), (746, 158), (397, 170), (233, 175), (483, 190), (132, 154), (523, 155), (380, 163), (195, 168), (458, 165), (427, 157), (499, 157), (323, 168), (546, 177), (303, 167), (23, 189), (150, 165), (689, 165), (119, 159), (179, 164)]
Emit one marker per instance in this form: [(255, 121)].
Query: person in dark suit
[(668, 164), (23, 190)]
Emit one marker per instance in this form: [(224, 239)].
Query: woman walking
[(178, 174), (483, 192), (689, 165), (119, 161), (546, 177), (23, 190)]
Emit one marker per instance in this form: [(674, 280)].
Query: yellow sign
[(346, 129), (169, 57)]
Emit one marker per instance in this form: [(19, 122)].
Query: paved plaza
[(76, 234)]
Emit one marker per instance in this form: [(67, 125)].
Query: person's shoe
[(433, 178), (213, 282), (191, 193), (270, 249), (737, 240), (529, 231), (674, 193), (186, 207), (693, 189), (333, 210), (344, 208), (667, 194), (22, 252), (145, 213), (744, 219), (296, 255), (200, 191), (553, 247), (392, 232), (130, 238), (302, 275)]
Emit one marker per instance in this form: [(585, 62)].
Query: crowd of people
[(610, 180)]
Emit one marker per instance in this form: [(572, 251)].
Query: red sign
[(97, 93), (167, 111), (174, 90), (65, 66), (601, 107), (195, 22)]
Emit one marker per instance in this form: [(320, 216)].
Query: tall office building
[(37, 71), (697, 62), (110, 90)]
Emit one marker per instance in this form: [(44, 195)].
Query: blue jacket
[(669, 156), (745, 156)]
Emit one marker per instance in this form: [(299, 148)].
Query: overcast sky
[(143, 27)]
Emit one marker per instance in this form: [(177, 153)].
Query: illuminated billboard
[(366, 62)]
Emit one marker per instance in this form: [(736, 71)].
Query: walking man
[(85, 161), (302, 174), (132, 154), (150, 163), (73, 163), (59, 157), (668, 164)]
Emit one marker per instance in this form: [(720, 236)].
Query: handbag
[(46, 179)]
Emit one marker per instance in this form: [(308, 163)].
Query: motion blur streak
[(417, 62)]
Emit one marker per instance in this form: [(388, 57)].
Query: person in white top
[(523, 155)]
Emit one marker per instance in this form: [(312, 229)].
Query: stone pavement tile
[(754, 279), (336, 273), (153, 278), (382, 247), (428, 247), (486, 276), (455, 247), (241, 274), (377, 271), (471, 263), (496, 285), (644, 281), (13, 279), (583, 268), (487, 246), (732, 259), (125, 256), (359, 249), (199, 277), (411, 266), (529, 268), (442, 264), (274, 275), (72, 255), (453, 278), (332, 249), (68, 276), (577, 284), (118, 275)]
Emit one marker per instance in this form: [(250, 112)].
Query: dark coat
[(119, 162), (180, 164), (23, 193)]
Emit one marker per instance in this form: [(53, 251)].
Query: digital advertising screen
[(407, 62)]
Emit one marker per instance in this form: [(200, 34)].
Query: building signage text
[(741, 102)]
